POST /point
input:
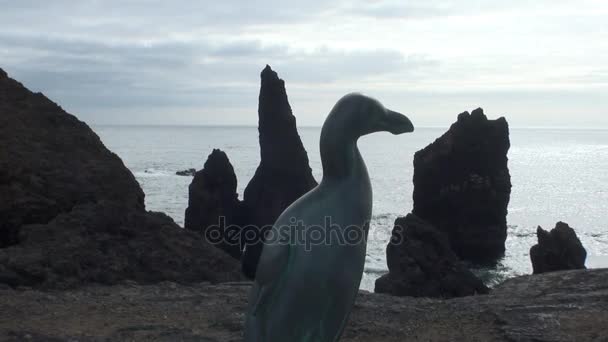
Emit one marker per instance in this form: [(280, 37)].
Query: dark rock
[(421, 264), (72, 212), (213, 205), (50, 161), (107, 243), (283, 176), (189, 172), (557, 250), (284, 173), (462, 186)]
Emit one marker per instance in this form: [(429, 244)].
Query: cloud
[(92, 75), (400, 9), (103, 58)]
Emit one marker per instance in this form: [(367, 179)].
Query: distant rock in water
[(557, 250), (213, 204), (284, 173), (189, 172), (462, 186), (422, 264), (72, 213)]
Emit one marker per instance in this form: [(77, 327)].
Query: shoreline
[(558, 306)]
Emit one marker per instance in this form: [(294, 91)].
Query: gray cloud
[(400, 9), (104, 58), (88, 75)]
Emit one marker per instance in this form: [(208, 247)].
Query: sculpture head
[(357, 115)]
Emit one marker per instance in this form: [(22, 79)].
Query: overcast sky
[(539, 63)]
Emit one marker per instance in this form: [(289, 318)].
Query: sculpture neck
[(340, 156)]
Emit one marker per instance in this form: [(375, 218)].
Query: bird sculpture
[(313, 257)]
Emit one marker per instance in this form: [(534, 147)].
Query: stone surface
[(558, 306), (421, 264), (462, 186), (559, 249), (213, 204), (284, 173), (72, 213)]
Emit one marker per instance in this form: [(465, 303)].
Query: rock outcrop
[(72, 213), (557, 306), (188, 172), (462, 186), (283, 176), (213, 205), (559, 249), (50, 162), (284, 173), (422, 264)]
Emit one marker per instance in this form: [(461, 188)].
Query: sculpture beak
[(397, 123)]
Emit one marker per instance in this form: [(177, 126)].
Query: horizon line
[(151, 125)]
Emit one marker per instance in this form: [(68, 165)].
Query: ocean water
[(557, 175)]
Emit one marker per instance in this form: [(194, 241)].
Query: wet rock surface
[(558, 249), (422, 264), (558, 306), (462, 186), (72, 213)]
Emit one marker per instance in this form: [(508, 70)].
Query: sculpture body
[(305, 288)]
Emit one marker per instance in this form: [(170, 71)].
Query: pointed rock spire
[(284, 173)]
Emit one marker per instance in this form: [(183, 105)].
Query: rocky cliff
[(72, 213)]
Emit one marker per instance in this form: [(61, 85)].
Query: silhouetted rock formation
[(213, 204), (283, 176), (50, 161), (421, 264), (189, 172), (284, 173), (557, 250), (462, 186), (73, 213)]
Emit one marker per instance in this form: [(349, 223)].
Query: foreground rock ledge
[(559, 306)]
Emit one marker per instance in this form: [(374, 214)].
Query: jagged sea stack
[(462, 186), (284, 173), (557, 250), (422, 264), (213, 205)]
